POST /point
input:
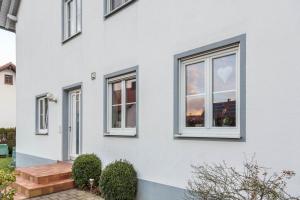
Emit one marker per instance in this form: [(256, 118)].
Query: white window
[(121, 105), (42, 118), (209, 95), (72, 18), (113, 5)]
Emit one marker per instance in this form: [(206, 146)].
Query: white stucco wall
[(7, 101), (148, 34)]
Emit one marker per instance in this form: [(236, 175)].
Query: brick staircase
[(42, 180)]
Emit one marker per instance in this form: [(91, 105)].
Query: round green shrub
[(86, 167), (119, 181)]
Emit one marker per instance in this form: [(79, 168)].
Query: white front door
[(74, 123)]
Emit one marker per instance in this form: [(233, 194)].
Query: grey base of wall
[(25, 160), (147, 190)]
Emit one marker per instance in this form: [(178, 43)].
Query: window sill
[(120, 134), (71, 37), (235, 136), (45, 134), (110, 13)]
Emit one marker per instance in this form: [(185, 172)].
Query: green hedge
[(119, 181), (10, 135), (86, 167)]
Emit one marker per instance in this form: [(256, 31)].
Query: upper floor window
[(114, 5), (42, 115), (8, 79), (121, 104), (72, 18), (209, 88)]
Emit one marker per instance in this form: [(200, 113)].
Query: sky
[(7, 47)]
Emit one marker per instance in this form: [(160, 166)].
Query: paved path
[(69, 194)]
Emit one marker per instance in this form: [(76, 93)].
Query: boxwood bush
[(86, 167), (119, 181)]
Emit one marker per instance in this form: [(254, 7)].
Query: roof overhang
[(8, 14), (8, 66)]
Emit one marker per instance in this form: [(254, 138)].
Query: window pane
[(46, 114), (77, 121), (73, 16), (130, 91), (69, 18), (115, 4), (78, 20), (131, 116), (195, 110), (41, 114), (116, 93), (116, 116), (195, 78), (224, 91), (224, 109), (224, 73)]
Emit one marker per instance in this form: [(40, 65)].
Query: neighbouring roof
[(9, 66), (8, 14)]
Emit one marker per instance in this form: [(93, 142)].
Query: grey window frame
[(123, 72), (108, 13), (37, 116), (241, 40), (66, 39)]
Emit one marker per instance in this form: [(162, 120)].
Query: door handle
[(70, 128)]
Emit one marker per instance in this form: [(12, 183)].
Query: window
[(42, 115), (209, 93), (114, 5), (121, 106), (72, 18), (8, 79)]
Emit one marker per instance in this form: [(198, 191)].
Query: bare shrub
[(222, 182)]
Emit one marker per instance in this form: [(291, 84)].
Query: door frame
[(71, 115), (65, 119)]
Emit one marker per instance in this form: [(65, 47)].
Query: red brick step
[(46, 173), (42, 180), (30, 189)]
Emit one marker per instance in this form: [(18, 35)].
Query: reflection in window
[(131, 103), (195, 79), (116, 105), (195, 95), (116, 116), (130, 116), (42, 122), (224, 91), (116, 94), (209, 93), (114, 4), (42, 115), (195, 111), (72, 18), (122, 103)]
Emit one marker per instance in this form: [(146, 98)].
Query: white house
[(8, 96), (162, 84)]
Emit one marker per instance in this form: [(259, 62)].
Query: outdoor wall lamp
[(51, 97), (91, 181)]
